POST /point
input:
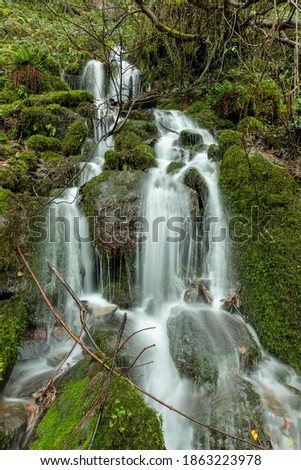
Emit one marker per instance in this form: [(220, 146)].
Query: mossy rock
[(41, 143), (29, 159), (7, 150), (127, 421), (227, 138), (68, 99), (51, 157), (35, 119), (139, 158), (251, 125), (236, 407), (174, 167), (265, 251), (5, 197), (109, 193), (195, 181), (13, 317), (214, 153), (191, 139), (75, 136), (144, 129), (3, 137), (202, 356), (14, 175), (127, 140)]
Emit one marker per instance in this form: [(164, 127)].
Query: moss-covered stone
[(195, 181), (68, 99), (42, 143), (191, 139), (214, 153), (174, 167), (126, 423), (143, 128), (266, 255), (252, 125), (202, 356), (3, 137), (29, 159), (234, 406), (227, 138), (139, 158), (75, 136), (12, 327), (127, 140)]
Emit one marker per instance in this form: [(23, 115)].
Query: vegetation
[(266, 256), (234, 67), (127, 422)]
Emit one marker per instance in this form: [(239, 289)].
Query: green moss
[(144, 129), (227, 138), (75, 136), (127, 140), (5, 196), (14, 175), (174, 167), (7, 150), (29, 159), (51, 157), (35, 119), (12, 327), (139, 158), (194, 180), (41, 143), (3, 137), (214, 153), (251, 125), (266, 253), (127, 422), (68, 99)]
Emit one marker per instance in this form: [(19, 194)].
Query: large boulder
[(235, 407), (191, 139), (112, 201), (206, 344)]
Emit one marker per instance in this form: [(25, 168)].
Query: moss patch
[(75, 136), (266, 248), (127, 422), (12, 327)]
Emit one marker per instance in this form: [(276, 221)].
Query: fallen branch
[(105, 366)]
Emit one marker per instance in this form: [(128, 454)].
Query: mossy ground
[(127, 422), (266, 254)]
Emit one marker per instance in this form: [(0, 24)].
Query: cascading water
[(173, 254), (68, 245), (161, 260)]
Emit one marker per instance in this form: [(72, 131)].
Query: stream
[(176, 252)]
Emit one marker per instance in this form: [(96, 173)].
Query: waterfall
[(185, 243), (161, 259)]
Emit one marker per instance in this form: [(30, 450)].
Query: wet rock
[(37, 334), (32, 349), (13, 419), (102, 312), (191, 139), (198, 292), (214, 153), (195, 181), (59, 333), (207, 343), (234, 406)]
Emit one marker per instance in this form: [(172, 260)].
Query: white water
[(164, 266), (160, 265)]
